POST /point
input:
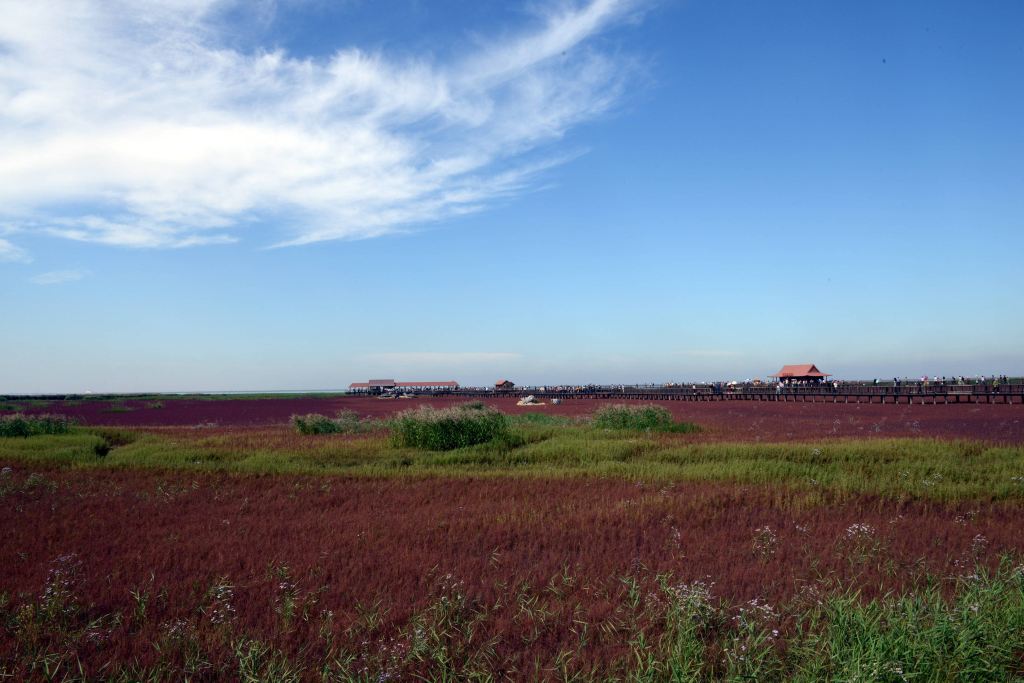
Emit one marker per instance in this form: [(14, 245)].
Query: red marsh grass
[(544, 556), (722, 421)]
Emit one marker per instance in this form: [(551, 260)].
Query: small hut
[(504, 385)]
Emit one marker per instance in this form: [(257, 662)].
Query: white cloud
[(12, 252), (57, 277), (127, 122)]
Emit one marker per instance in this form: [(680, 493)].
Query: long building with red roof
[(386, 384)]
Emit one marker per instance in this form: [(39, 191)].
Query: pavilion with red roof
[(801, 373)]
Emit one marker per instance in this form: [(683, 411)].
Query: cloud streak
[(128, 122), (708, 353), (442, 357), (12, 252), (58, 277)]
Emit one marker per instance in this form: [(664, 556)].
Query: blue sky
[(207, 195)]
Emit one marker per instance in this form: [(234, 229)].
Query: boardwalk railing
[(911, 393)]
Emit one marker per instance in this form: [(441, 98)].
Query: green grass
[(897, 469), (20, 405), (978, 635), (118, 407)]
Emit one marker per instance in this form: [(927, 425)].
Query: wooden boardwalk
[(1009, 394)]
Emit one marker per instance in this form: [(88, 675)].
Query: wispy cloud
[(442, 358), (12, 252), (57, 277), (128, 122), (708, 353)]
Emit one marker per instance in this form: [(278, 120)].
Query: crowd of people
[(898, 385), (990, 381)]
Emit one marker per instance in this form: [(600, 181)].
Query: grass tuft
[(346, 422)]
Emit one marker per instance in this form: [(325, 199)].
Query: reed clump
[(443, 430), (33, 425), (646, 418)]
